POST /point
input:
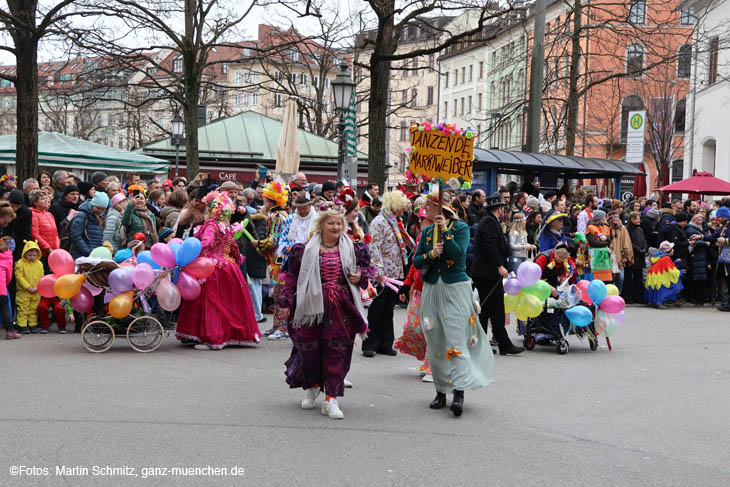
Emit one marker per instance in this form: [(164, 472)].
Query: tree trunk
[(26, 89), (191, 93), (572, 118)]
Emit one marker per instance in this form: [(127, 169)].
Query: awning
[(61, 151), (571, 166)]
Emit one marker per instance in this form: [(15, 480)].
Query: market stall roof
[(66, 152), (700, 183), (571, 166), (254, 137)]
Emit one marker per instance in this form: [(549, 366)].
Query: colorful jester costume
[(663, 281)]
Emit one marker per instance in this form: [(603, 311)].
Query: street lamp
[(342, 88), (178, 134)]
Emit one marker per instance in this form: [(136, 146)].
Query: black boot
[(457, 403), (511, 350), (439, 401)]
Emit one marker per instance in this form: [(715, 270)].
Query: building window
[(463, 74), (224, 68), (494, 60), (403, 130), (684, 61), (446, 109), (414, 97), (446, 80), (431, 62), (456, 77), (637, 11), (237, 78), (404, 97), (493, 95), (712, 65), (278, 100), (634, 59), (177, 64), (481, 69), (687, 16), (461, 112), (630, 104), (471, 71), (479, 102), (429, 96), (402, 162), (468, 107), (679, 115), (456, 104), (235, 101), (254, 99)]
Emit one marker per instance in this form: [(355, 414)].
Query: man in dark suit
[(488, 269)]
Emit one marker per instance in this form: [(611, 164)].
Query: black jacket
[(699, 258), (638, 244), (255, 262), (60, 210), (473, 214), (649, 225), (490, 249), (678, 237), (20, 230)]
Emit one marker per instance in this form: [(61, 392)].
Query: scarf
[(301, 227), (310, 301), (398, 235), (147, 225)]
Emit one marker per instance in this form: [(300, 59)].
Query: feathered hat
[(346, 198), (277, 192)]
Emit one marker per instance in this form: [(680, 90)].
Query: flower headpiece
[(346, 198), (220, 206), (277, 192), (5, 177), (134, 190)]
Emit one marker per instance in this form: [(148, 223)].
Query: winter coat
[(87, 231), (132, 223), (27, 274), (6, 271), (649, 225), (549, 240), (169, 215), (698, 257), (593, 230), (665, 220), (60, 210), (255, 262), (621, 246), (44, 231), (638, 244), (490, 249), (20, 230), (678, 237), (112, 229), (473, 214)]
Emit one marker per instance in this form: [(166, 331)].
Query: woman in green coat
[(137, 218), (461, 357)]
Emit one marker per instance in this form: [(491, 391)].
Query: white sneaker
[(278, 335), (200, 346), (331, 409), (348, 384), (427, 378), (310, 395)]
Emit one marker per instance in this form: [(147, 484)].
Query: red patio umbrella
[(700, 183), (639, 188)]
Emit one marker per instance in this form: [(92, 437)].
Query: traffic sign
[(635, 136)]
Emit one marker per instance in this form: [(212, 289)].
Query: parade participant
[(275, 197), (557, 266), (552, 232), (320, 294), (298, 226), (412, 341), (598, 235), (488, 269), (458, 350), (663, 282), (223, 313), (388, 242)]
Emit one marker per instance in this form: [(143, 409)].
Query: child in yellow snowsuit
[(28, 272)]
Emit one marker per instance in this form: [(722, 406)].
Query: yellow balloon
[(611, 290), (68, 286), (121, 305), (521, 315), (510, 302), (531, 305)]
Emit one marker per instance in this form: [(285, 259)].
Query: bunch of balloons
[(611, 307), (525, 292)]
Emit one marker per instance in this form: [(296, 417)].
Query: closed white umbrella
[(287, 154)]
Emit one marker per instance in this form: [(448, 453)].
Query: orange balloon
[(121, 304), (66, 287)]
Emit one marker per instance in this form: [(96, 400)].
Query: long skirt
[(458, 349), (412, 341), (223, 313)]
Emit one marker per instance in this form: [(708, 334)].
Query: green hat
[(579, 237)]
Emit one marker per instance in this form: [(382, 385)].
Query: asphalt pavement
[(654, 411)]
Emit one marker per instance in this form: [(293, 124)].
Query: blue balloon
[(145, 257), (189, 251), (175, 246), (579, 315), (123, 255), (597, 291)]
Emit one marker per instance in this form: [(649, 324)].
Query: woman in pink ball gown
[(223, 313)]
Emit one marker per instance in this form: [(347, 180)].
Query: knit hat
[(70, 188), (117, 198), (98, 177), (682, 216), (666, 246), (164, 232), (167, 183), (599, 215), (17, 197), (100, 200), (329, 186), (722, 212), (532, 202), (85, 187)]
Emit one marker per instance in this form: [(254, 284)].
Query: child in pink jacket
[(6, 274)]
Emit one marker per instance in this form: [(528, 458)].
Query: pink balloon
[(83, 301), (528, 273), (143, 276), (189, 286), (583, 286), (175, 240), (512, 287), (163, 255), (45, 286), (201, 268), (619, 317), (95, 291), (168, 295), (61, 262), (613, 304)]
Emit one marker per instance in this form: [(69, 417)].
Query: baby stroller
[(142, 328), (552, 327)]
